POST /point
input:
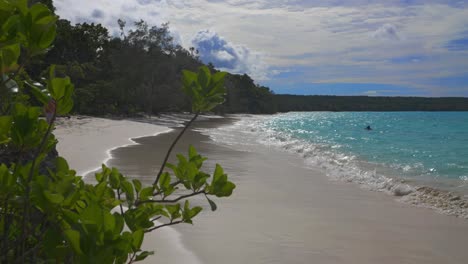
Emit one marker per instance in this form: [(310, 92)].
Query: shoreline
[(339, 167), (86, 158), (95, 148), (326, 224)]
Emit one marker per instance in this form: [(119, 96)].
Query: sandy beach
[(281, 210)]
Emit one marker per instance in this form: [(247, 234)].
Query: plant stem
[(118, 196), (14, 74), (172, 147), (175, 200), (163, 225), (28, 184)]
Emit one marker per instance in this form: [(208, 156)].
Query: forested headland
[(140, 70), (286, 103), (136, 72)]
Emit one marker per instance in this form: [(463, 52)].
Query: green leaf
[(109, 221), (220, 186), (92, 214), (204, 76), (192, 152), (164, 180), (44, 99), (114, 179), (39, 11), (73, 237), (189, 213), (212, 204), (22, 5), (199, 180), (99, 177), (173, 210), (119, 223), (61, 90), (189, 80), (47, 37), (5, 127), (127, 187), (61, 164), (6, 6), (137, 185), (146, 193), (137, 239), (8, 57), (205, 91), (143, 255), (70, 216), (218, 77), (54, 198)]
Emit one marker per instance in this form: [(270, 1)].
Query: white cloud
[(224, 56), (355, 40), (386, 32), (228, 56)]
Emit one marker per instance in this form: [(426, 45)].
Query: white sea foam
[(250, 131)]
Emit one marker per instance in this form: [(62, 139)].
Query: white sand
[(86, 143), (280, 212)]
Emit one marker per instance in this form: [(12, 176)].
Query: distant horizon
[(363, 95), (383, 48)]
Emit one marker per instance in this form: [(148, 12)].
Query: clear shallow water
[(415, 144), (402, 151)]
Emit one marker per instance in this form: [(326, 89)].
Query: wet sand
[(86, 142), (283, 212), (280, 212)]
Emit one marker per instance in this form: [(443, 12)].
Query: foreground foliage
[(48, 214)]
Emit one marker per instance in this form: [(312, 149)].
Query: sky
[(337, 47)]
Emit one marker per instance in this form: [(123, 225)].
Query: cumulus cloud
[(332, 40), (228, 56)]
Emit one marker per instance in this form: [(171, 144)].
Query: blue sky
[(343, 47)]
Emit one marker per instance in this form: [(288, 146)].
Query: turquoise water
[(420, 157), (431, 145)]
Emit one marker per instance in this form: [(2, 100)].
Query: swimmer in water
[(368, 128)]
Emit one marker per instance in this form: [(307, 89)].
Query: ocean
[(293, 202), (402, 152)]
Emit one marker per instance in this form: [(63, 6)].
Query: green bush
[(48, 214)]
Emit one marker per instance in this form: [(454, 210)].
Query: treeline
[(136, 72), (140, 70), (286, 103)]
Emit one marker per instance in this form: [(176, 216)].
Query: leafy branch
[(48, 213)]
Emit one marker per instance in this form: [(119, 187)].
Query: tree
[(48, 214)]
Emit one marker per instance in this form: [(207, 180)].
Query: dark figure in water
[(368, 128)]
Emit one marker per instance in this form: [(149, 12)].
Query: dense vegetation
[(285, 103), (138, 71), (48, 214)]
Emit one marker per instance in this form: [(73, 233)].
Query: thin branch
[(14, 74), (172, 184), (163, 225), (174, 200), (163, 165), (39, 238), (121, 207), (132, 258), (31, 174)]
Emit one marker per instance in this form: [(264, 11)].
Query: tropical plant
[(48, 214)]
